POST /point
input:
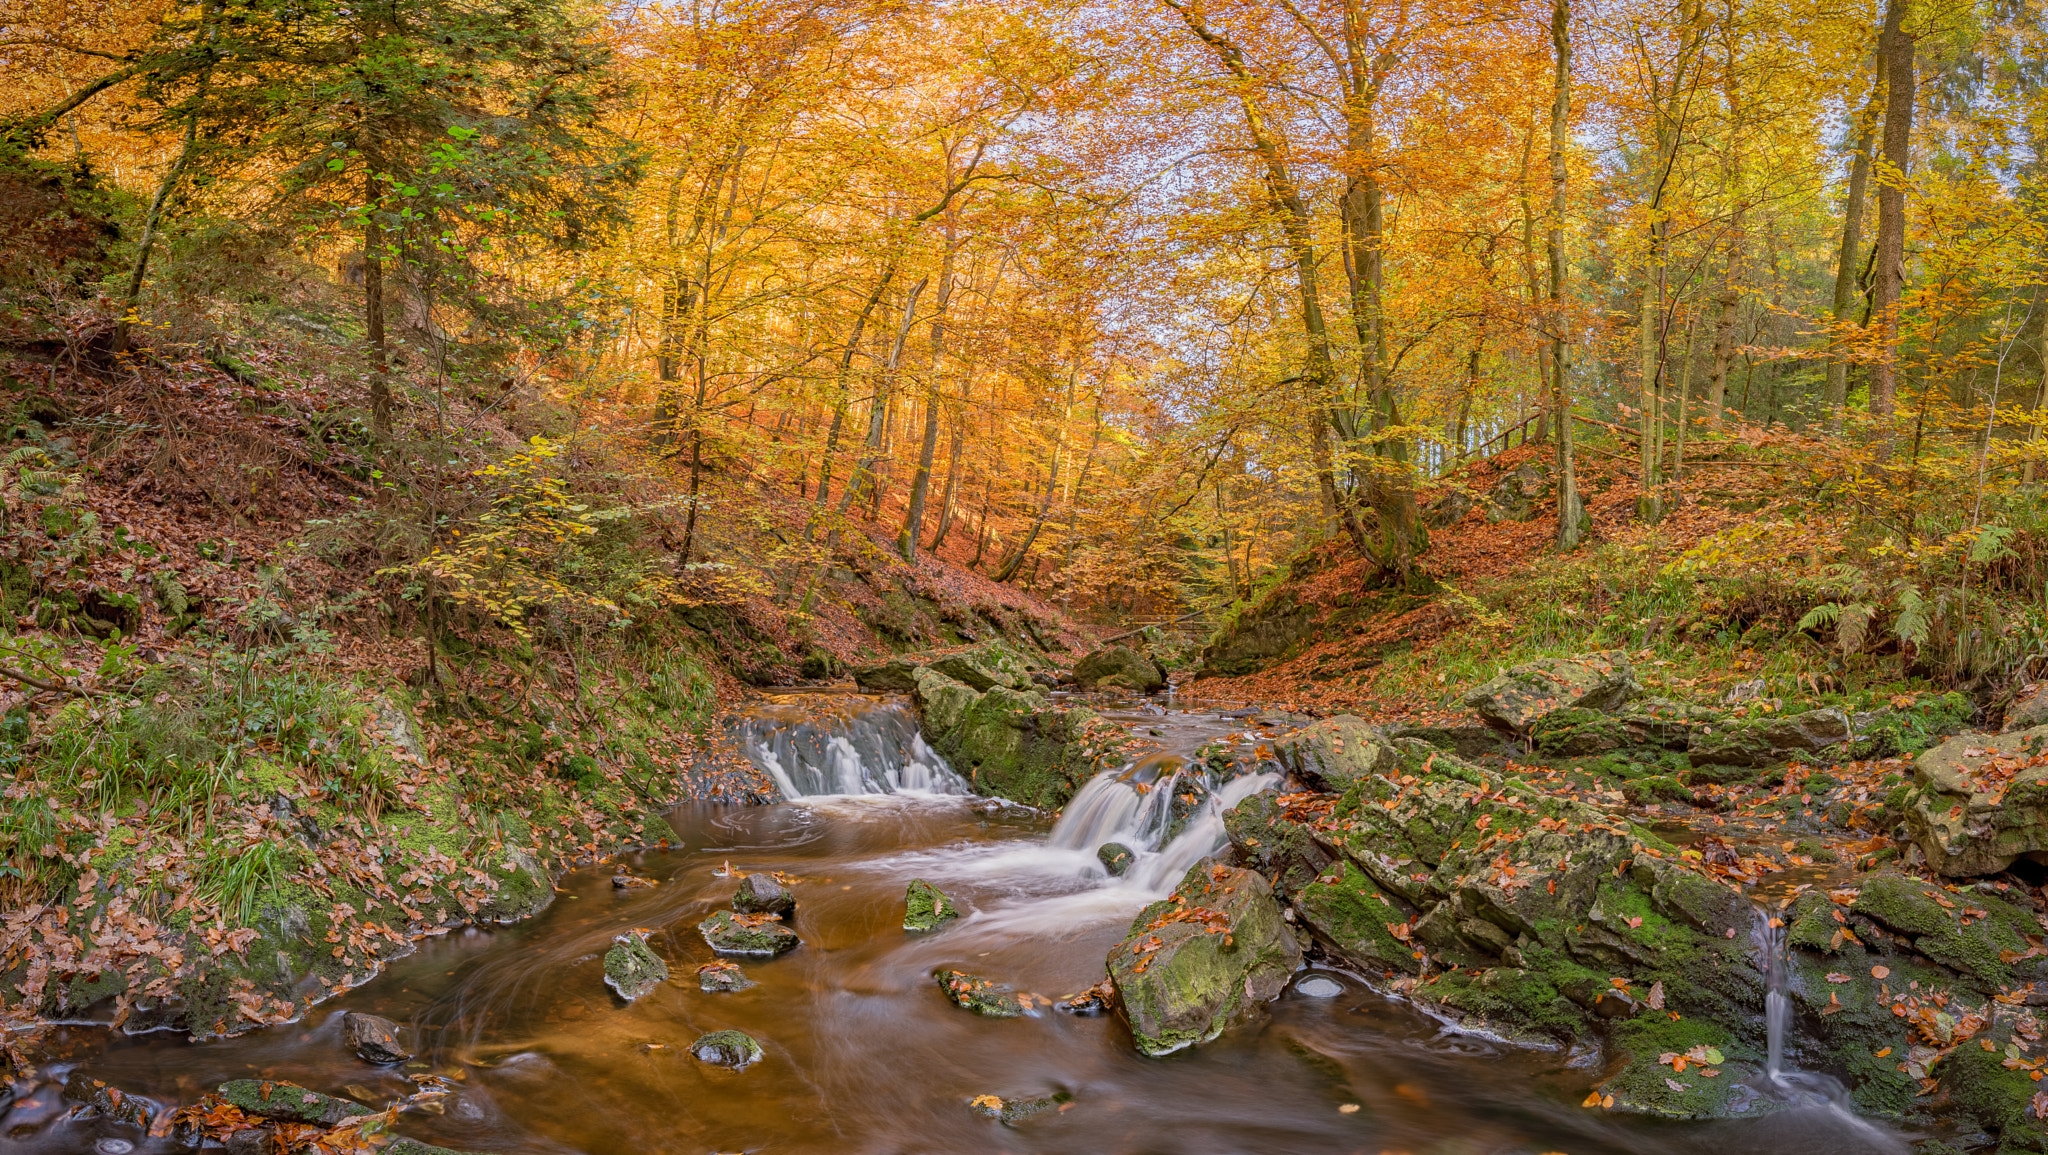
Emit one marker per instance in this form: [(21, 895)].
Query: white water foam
[(860, 747)]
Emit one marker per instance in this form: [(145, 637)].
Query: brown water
[(863, 1052)]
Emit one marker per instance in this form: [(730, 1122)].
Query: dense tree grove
[(1125, 302)]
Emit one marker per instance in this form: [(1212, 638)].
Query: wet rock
[(1115, 858), (1691, 898), (373, 1037), (631, 968), (721, 977), (1118, 667), (1192, 963), (1769, 740), (1335, 752), (626, 881), (1281, 849), (1981, 801), (895, 676), (753, 934), (977, 994), (926, 907), (1009, 1111), (404, 1146), (257, 1141), (1349, 913), (735, 1049), (1518, 699), (99, 1099), (1093, 1001), (760, 892), (288, 1102)]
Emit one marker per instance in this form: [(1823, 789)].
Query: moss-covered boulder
[(747, 934), (942, 701), (985, 667), (1332, 753), (735, 1049), (1811, 735), (977, 994), (895, 676), (1518, 699), (631, 968), (2028, 711), (926, 907), (1981, 800), (1015, 744), (1358, 921), (1276, 846), (1195, 961), (1115, 857), (288, 1102), (760, 893), (1118, 667)]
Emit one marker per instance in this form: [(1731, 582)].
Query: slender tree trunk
[(878, 410), (1850, 257), (1727, 303), (373, 314), (955, 436), (1896, 49), (1052, 480), (1569, 512), (154, 218), (920, 482)]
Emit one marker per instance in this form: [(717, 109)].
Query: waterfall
[(1767, 935), (1134, 806), (843, 745)]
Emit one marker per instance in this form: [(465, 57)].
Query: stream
[(863, 1051)]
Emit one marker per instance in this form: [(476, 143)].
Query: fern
[(1825, 614), (1992, 544), (1914, 621)]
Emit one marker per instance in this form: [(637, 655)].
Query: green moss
[(1512, 999), (288, 1102), (1977, 1081), (926, 907), (1347, 910), (1645, 1085), (977, 994), (755, 934)]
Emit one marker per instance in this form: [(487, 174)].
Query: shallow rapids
[(863, 1052)]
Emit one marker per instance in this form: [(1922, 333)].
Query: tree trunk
[(934, 394), (1850, 257), (373, 315), (1569, 512), (1896, 49), (1724, 352), (878, 409)]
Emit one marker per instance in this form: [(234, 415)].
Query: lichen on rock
[(748, 934)]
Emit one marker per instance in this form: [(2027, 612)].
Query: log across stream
[(862, 1050)]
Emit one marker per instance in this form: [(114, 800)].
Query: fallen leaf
[(1880, 972), (1837, 977)]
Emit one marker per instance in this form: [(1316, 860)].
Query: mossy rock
[(1646, 1086), (405, 1146), (288, 1102), (1118, 667), (1333, 753), (1966, 825), (1934, 921), (1273, 844), (631, 968), (747, 934), (721, 977), (760, 893), (926, 907), (1525, 695), (1197, 960), (735, 1049), (1115, 857), (977, 994), (1010, 1111), (942, 701), (1347, 911)]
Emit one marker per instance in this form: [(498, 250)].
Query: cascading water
[(1134, 806), (844, 746), (1767, 935)]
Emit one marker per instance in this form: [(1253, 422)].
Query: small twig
[(58, 687)]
